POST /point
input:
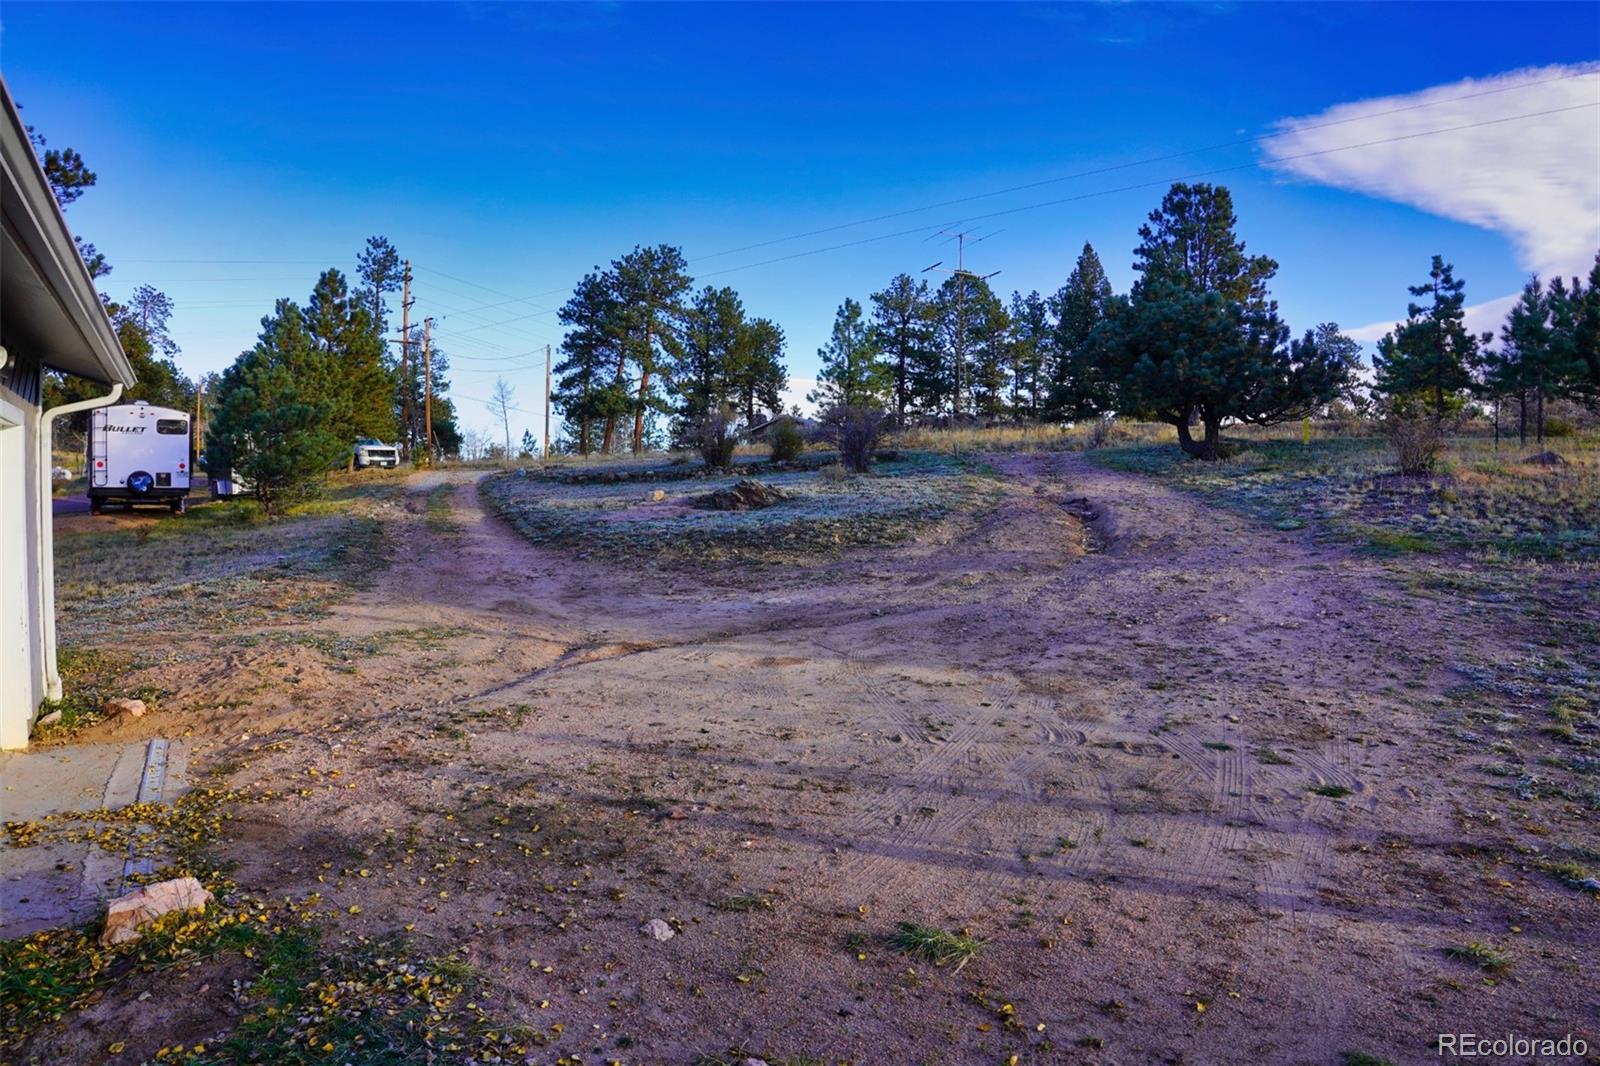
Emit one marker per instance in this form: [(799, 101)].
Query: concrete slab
[(64, 884)]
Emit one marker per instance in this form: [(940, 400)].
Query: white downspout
[(47, 537)]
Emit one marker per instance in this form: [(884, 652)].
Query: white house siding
[(21, 639)]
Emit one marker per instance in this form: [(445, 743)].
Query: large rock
[(131, 708), (127, 915), (747, 494)]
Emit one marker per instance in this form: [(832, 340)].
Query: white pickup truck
[(370, 452)]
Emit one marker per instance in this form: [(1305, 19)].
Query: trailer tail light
[(99, 464), (183, 466)]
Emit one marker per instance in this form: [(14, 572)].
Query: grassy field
[(1483, 499), (982, 796), (826, 509)]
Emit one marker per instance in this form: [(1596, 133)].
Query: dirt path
[(1091, 728)]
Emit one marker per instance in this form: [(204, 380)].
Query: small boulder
[(127, 915), (1545, 459), (658, 495), (132, 708), (656, 929), (50, 719), (747, 494)]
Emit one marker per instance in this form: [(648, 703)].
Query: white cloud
[(1534, 180), (794, 394), (1486, 317)]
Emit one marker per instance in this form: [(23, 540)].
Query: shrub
[(716, 436), (785, 439), (1417, 438), (854, 431)]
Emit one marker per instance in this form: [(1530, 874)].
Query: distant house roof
[(49, 310)]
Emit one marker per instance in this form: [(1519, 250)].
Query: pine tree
[(268, 424), (379, 266), (757, 374), (649, 285), (989, 337), (853, 372), (903, 328), (351, 367), (1079, 388), (704, 353), (1032, 350), (1199, 339), (1586, 334), (1430, 356), (585, 391)]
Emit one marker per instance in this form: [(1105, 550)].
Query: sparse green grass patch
[(89, 677), (220, 567), (747, 901), (938, 946), (1481, 955)]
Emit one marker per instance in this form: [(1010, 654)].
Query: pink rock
[(132, 708)]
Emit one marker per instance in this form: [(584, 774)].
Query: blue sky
[(506, 149)]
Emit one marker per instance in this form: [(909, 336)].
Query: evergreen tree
[(585, 391), (853, 372), (757, 374), (350, 362), (1430, 356), (989, 337), (903, 328), (1078, 388), (1586, 334), (1199, 339), (649, 285), (380, 268), (142, 331), (705, 351), (1032, 343), (69, 177), (446, 431), (65, 171), (268, 424)]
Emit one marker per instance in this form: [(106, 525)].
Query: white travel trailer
[(139, 454)]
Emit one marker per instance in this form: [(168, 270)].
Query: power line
[(968, 199), (1209, 172), (1149, 184), (1135, 163)]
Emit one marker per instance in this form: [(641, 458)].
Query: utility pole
[(197, 434), (547, 401), (964, 276), (427, 387), (405, 359)]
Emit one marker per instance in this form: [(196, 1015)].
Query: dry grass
[(1480, 498)]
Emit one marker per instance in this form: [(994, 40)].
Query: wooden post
[(405, 361), (547, 401), (427, 387)]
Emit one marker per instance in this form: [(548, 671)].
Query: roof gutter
[(47, 533)]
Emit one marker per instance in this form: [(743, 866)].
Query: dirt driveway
[(1183, 774)]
